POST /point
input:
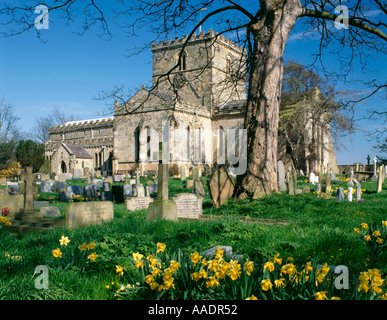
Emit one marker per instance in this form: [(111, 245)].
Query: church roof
[(78, 151)]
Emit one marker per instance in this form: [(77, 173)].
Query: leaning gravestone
[(358, 192), (183, 173), (340, 194), (220, 186), (281, 176), (199, 188), (328, 186)]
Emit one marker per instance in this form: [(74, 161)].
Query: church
[(195, 107)]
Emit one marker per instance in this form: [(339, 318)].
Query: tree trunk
[(269, 35)]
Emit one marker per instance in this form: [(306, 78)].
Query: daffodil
[(367, 237), (276, 259), (279, 283), (57, 253), (356, 230), (64, 241), (322, 295), (92, 256), (149, 278), (82, 247), (160, 247), (252, 297), (137, 256), (266, 284), (248, 267), (119, 270), (376, 233), (364, 226), (195, 258), (269, 265), (91, 246)]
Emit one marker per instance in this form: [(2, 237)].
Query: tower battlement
[(195, 37)]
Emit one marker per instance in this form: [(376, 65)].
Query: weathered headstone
[(106, 195), (60, 186), (3, 181), (220, 186), (41, 204), (106, 186), (306, 189), (328, 185), (318, 189), (188, 205), (183, 173), (281, 176), (80, 214), (77, 174), (199, 188), (292, 184), (350, 182), (340, 194), (189, 184), (137, 203), (45, 186), (50, 212), (91, 192), (127, 191), (151, 189)]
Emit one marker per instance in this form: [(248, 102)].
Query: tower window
[(183, 62)]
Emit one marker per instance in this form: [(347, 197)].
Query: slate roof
[(78, 151)]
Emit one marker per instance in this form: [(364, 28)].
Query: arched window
[(188, 150), (148, 146), (183, 61), (137, 145)]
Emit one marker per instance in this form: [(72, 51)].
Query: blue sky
[(68, 71)]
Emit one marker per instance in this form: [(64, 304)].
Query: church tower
[(211, 66)]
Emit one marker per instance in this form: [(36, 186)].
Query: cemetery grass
[(320, 229)]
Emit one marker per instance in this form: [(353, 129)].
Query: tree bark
[(269, 35)]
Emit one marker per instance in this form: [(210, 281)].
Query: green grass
[(322, 229)]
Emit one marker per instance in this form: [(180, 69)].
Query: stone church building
[(196, 105)]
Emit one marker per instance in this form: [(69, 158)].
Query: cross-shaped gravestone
[(29, 179)]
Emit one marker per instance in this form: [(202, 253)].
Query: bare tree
[(40, 130), (267, 24), (8, 129)]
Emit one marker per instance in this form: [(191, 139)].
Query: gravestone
[(292, 183), (106, 186), (320, 177), (340, 194), (162, 207), (183, 173), (45, 186), (379, 186), (281, 176), (312, 177), (77, 174), (318, 188), (50, 212), (350, 182), (374, 176), (14, 188), (220, 186), (350, 194), (151, 189), (60, 186), (137, 203), (358, 192), (41, 204), (306, 189), (74, 190), (80, 214), (188, 205), (106, 195), (195, 173), (328, 186), (333, 176), (118, 193), (29, 212), (62, 196), (199, 188), (3, 181), (127, 191), (91, 192), (189, 184), (61, 178)]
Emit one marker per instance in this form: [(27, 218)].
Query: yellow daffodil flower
[(57, 253), (160, 247), (64, 241), (92, 256), (266, 285), (322, 295)]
